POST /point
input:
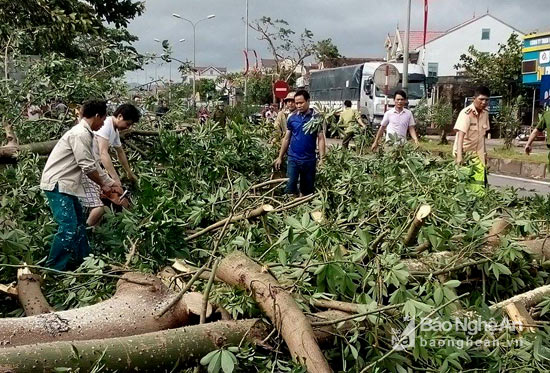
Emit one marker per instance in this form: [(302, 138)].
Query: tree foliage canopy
[(56, 25), (500, 71)]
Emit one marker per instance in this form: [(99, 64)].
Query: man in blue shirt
[(301, 147)]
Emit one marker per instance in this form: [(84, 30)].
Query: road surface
[(525, 187)]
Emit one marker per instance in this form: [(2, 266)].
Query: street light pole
[(170, 71), (194, 24), (405, 83), (246, 49)]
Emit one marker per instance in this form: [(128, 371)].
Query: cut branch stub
[(239, 270), (423, 212), (30, 294)]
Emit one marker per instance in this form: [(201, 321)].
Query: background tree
[(326, 52), (441, 115), (509, 121), (260, 86), (500, 71), (56, 25), (288, 50), (62, 49)]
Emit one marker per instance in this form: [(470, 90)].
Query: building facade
[(443, 49)]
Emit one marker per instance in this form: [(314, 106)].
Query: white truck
[(331, 87)]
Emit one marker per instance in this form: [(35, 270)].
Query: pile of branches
[(216, 267)]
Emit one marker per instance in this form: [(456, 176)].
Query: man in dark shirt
[(301, 147)]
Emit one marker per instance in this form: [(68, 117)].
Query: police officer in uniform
[(471, 127)]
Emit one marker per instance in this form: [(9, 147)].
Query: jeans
[(70, 244), (302, 171)]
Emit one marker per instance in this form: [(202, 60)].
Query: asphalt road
[(525, 187)]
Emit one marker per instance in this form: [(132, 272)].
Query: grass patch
[(500, 152)]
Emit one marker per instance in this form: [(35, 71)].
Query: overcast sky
[(357, 27)]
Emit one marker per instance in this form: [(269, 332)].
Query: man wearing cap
[(350, 119), (471, 127), (280, 121)]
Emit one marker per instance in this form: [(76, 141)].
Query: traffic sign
[(281, 89), (386, 77)]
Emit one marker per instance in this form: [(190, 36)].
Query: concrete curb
[(519, 168)]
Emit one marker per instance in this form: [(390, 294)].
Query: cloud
[(357, 27)]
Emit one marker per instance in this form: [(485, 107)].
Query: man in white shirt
[(124, 116), (61, 181), (396, 122)]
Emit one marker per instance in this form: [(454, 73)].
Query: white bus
[(331, 87)]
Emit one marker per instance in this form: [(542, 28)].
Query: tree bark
[(29, 293), (154, 352), (239, 270), (40, 148), (539, 249), (130, 311), (257, 212), (44, 148), (528, 299)]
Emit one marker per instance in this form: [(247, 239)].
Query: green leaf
[(452, 283), (438, 296), (208, 357), (216, 363), (228, 364)]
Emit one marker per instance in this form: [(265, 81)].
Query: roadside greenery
[(354, 253)]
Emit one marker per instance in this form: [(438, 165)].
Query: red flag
[(425, 20)]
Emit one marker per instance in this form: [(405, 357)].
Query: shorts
[(93, 191)]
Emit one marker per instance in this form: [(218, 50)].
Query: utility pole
[(246, 49), (405, 84)]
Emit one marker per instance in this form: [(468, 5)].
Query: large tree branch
[(130, 311), (239, 270)]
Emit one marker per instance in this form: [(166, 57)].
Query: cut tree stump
[(239, 270), (130, 311), (423, 212)]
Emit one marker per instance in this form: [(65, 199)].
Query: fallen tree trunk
[(539, 249), (251, 214), (44, 148), (40, 148), (528, 299), (130, 311), (239, 270), (499, 228), (29, 293), (156, 351)]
